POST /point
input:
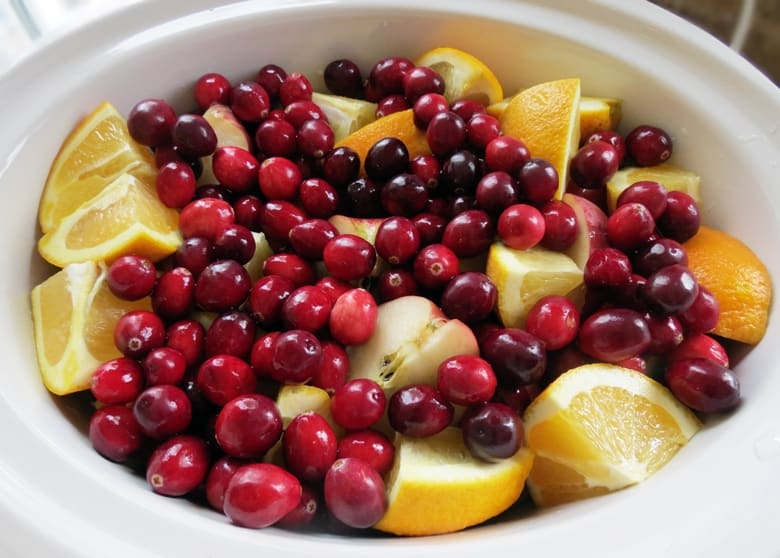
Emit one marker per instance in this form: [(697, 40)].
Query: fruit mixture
[(394, 304)]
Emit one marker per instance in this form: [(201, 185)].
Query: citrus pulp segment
[(522, 277), (599, 428), (436, 486), (546, 118), (97, 152), (127, 217), (740, 281), (464, 75), (74, 314)]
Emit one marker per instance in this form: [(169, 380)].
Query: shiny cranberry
[(333, 369), (150, 122), (390, 104), (295, 357), (223, 377), (315, 139), (446, 133), (223, 285), (164, 365), (248, 426), (310, 237), (387, 75), (343, 77), (594, 164), (235, 242), (460, 174), (607, 267), (467, 108), (341, 166), (235, 168), (506, 154), (270, 77), (421, 80), (290, 266), (701, 316), (114, 432), (303, 514), (630, 226), (466, 380), (395, 283), (131, 277), (666, 333), (560, 225), (194, 254), (318, 198), (681, 218), (427, 106), (703, 385), (118, 380), (162, 411), (276, 138), (217, 479), (212, 88), (404, 194), (205, 217), (555, 320), (469, 233), (353, 317), (349, 257), (231, 333), (648, 145), (295, 87), (649, 193), (175, 184), (307, 307), (517, 357), (435, 265), (370, 446), (178, 466), (174, 295), (355, 493), (521, 226), (700, 345), (363, 198), (496, 191), (671, 289), (614, 334), (492, 431), (309, 446), (137, 332), (249, 101), (261, 357), (279, 217), (266, 299), (430, 226), (611, 137), (469, 297), (187, 336), (358, 404), (260, 494), (419, 410), (657, 254), (397, 240), (481, 129), (193, 136)]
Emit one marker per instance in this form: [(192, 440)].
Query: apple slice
[(229, 131), (262, 251), (412, 337), (591, 229)]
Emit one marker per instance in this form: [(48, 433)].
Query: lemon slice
[(522, 277), (292, 400), (345, 115), (126, 217), (546, 118), (464, 75), (671, 176), (97, 152), (74, 314), (601, 427), (436, 486)]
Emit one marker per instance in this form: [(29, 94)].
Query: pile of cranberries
[(197, 402)]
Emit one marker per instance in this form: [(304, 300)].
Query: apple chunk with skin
[(229, 131), (591, 229), (412, 337)]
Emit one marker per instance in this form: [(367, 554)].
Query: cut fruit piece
[(398, 125), (345, 115), (546, 118), (739, 280), (672, 177), (411, 338), (596, 113), (601, 427), (591, 229), (229, 132), (97, 152), (464, 75), (292, 400), (522, 277), (436, 486), (74, 314), (126, 218), (262, 251)]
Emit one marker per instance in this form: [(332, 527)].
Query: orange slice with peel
[(436, 486), (465, 76), (546, 118), (395, 125), (74, 314), (739, 280), (127, 217), (599, 428), (95, 154)]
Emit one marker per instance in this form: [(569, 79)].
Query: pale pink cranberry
[(353, 317)]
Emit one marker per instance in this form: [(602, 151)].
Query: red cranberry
[(395, 283), (114, 432), (446, 133), (555, 320), (231, 333), (219, 475), (469, 297), (349, 257), (466, 380), (290, 266), (222, 378), (296, 356), (521, 226), (353, 317), (649, 193), (419, 410), (387, 75), (318, 198), (481, 129), (248, 426), (310, 237), (150, 122), (222, 285), (174, 295), (355, 493), (261, 357), (594, 164), (370, 446), (538, 181), (164, 365), (469, 233), (131, 277), (304, 513), (118, 380), (175, 184), (681, 218), (249, 101), (193, 136), (187, 336), (700, 345), (607, 267), (427, 106), (194, 254), (517, 357), (266, 299), (270, 77), (260, 494), (333, 369), (308, 307), (506, 154), (560, 225), (341, 166), (205, 217), (614, 334), (671, 289), (235, 168), (343, 77), (648, 145), (703, 385), (137, 332), (430, 226), (162, 411), (235, 242), (611, 137), (435, 265), (212, 88), (630, 226), (309, 445), (492, 431), (276, 138), (178, 466), (358, 404), (295, 87), (279, 217), (404, 194), (496, 191)]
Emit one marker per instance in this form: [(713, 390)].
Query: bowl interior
[(722, 115)]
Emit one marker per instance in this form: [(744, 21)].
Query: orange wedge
[(465, 76), (546, 118), (395, 125), (126, 217), (436, 486), (739, 280), (74, 314), (95, 154), (599, 428)]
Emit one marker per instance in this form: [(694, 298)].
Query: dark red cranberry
[(164, 365), (703, 385), (419, 410), (150, 122), (231, 333), (248, 426), (224, 377), (470, 297), (114, 432), (296, 356), (222, 285), (162, 411), (219, 475), (249, 101), (492, 431), (309, 446), (193, 136), (614, 334), (343, 77), (178, 466), (137, 332), (355, 493), (648, 145), (174, 295), (270, 77)]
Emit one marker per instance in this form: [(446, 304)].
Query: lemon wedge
[(465, 76)]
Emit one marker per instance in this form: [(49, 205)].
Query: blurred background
[(752, 27)]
